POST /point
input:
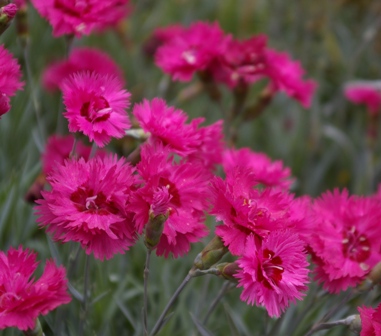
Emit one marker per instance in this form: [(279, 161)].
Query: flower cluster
[(22, 299), (203, 48), (261, 227)]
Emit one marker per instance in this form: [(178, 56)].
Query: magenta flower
[(10, 79), (274, 273), (242, 63), (87, 204), (367, 93), (177, 190), (192, 50), (370, 321), (80, 60), (344, 239), (22, 299), (58, 149), (268, 173), (96, 106), (81, 17), (245, 210), (161, 36), (168, 125), (287, 75)]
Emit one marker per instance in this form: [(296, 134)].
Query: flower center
[(97, 109), (173, 191), (85, 201), (189, 56), (356, 246), (270, 272)]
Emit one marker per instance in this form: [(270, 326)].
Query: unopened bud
[(228, 270), (22, 22), (211, 254), (355, 325), (7, 13), (154, 230)]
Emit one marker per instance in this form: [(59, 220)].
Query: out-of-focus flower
[(22, 299), (365, 92), (81, 17), (179, 191), (161, 36), (10, 79), (58, 149), (242, 63), (274, 273), (96, 106), (344, 239), (287, 75), (270, 174), (370, 321), (192, 50), (80, 60), (87, 204)]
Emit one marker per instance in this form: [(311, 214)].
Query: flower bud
[(7, 13), (373, 278), (355, 325), (227, 270), (154, 230), (211, 254)]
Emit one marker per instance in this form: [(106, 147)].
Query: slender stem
[(224, 289), (94, 148), (145, 309), (72, 153), (85, 296), (159, 322), (329, 325)]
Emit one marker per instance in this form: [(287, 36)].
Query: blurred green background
[(325, 146)]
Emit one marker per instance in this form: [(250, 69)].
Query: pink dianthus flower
[(22, 299), (87, 204), (96, 106), (245, 210), (168, 125), (10, 79), (58, 149), (274, 273), (81, 17), (268, 173), (287, 75), (80, 60), (242, 63), (344, 239), (177, 190), (192, 50), (367, 93), (370, 321)]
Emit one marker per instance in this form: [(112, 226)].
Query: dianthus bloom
[(58, 149), (242, 63), (87, 204), (245, 210), (370, 321), (10, 79), (367, 93), (22, 299), (274, 273), (178, 191), (168, 125), (270, 174), (81, 17), (287, 75), (80, 60), (192, 50), (96, 106), (344, 239)]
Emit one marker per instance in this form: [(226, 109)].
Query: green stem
[(146, 275), (83, 315), (224, 289), (159, 322)]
